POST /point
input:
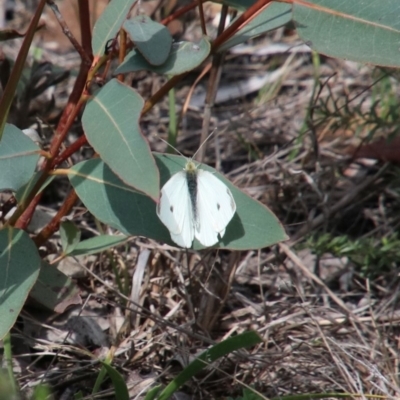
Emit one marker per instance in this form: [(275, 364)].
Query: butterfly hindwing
[(215, 208)]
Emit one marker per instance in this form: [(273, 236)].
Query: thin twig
[(215, 76), (286, 249), (85, 58), (343, 202)]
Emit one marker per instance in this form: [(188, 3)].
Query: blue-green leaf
[(111, 124), (109, 24), (18, 158), (112, 202), (367, 31), (184, 57), (151, 38), (19, 269)]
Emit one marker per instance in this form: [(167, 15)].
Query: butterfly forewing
[(175, 210), (186, 236)]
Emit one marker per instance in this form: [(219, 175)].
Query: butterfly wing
[(215, 208), (175, 210)]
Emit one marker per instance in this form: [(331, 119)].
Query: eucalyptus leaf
[(367, 32), (18, 158), (111, 124), (114, 203), (151, 38), (184, 57), (109, 24), (19, 268)]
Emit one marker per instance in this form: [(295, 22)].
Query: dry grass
[(326, 326)]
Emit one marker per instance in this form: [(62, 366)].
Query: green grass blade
[(228, 346)]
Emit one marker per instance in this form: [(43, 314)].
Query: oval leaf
[(19, 269), (118, 205), (152, 39), (253, 226), (367, 32), (18, 158), (109, 24), (184, 57), (274, 16), (111, 201), (111, 124)]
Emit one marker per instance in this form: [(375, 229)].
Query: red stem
[(249, 14), (54, 224), (202, 19), (70, 150), (179, 12), (69, 114)]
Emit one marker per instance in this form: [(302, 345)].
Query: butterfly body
[(195, 203)]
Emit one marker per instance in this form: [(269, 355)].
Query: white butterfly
[(195, 203)]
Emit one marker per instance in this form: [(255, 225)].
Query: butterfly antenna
[(205, 141), (170, 145)]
